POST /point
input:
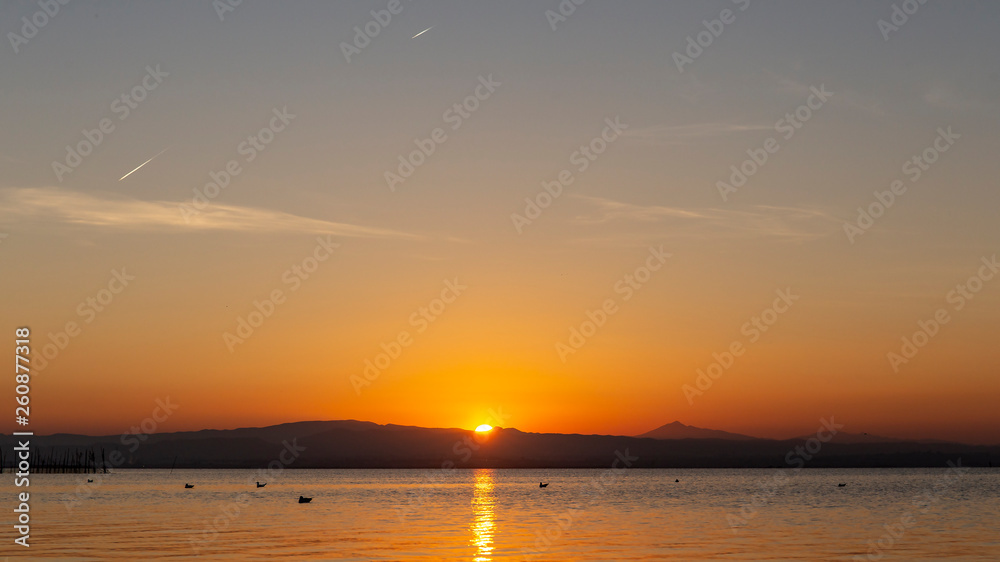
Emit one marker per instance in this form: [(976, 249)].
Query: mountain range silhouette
[(359, 444)]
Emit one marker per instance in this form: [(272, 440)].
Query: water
[(488, 515)]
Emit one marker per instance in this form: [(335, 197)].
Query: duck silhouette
[(543, 484), (259, 485), (189, 485), (303, 499)]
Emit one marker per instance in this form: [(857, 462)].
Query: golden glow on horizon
[(484, 428), (367, 334)]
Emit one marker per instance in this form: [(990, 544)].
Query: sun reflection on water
[(483, 527)]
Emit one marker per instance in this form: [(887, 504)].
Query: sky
[(535, 214)]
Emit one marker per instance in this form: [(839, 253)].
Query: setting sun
[(767, 295)]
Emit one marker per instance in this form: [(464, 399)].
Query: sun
[(484, 428)]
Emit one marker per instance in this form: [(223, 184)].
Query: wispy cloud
[(54, 205), (695, 91), (608, 210), (793, 223), (680, 134), (979, 100), (841, 96)]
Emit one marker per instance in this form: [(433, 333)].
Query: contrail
[(143, 164), (422, 32)]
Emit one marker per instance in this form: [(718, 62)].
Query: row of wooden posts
[(60, 461)]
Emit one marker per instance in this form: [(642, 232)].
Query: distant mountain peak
[(678, 430)]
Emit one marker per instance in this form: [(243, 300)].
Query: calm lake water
[(483, 515)]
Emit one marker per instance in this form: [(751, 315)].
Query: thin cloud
[(55, 205), (759, 220), (694, 91), (950, 98), (609, 210), (691, 132), (841, 96)]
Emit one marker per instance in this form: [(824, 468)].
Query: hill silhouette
[(677, 430), (358, 444)]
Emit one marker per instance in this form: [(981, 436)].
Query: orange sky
[(309, 217)]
